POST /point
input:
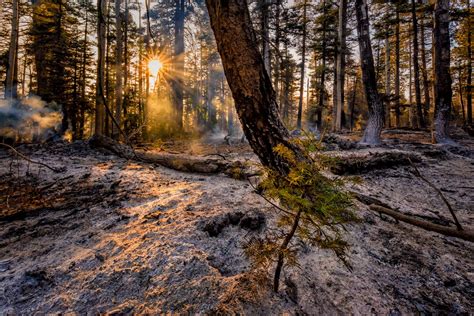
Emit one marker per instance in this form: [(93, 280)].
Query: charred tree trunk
[(99, 96), (442, 77), (303, 61), (374, 102), (250, 84), (12, 71), (277, 75), (416, 68)]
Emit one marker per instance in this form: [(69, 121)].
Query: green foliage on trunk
[(312, 207)]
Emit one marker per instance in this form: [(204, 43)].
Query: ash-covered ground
[(109, 235)]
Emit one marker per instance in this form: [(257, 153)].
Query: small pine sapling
[(312, 207)]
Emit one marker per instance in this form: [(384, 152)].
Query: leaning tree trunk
[(249, 82), (12, 71), (442, 77), (374, 102)]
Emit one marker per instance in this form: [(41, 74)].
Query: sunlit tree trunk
[(442, 77), (303, 61), (84, 76), (12, 71), (249, 82), (374, 102), (100, 82)]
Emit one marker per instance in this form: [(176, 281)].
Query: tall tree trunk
[(100, 82), (424, 73), (118, 67), (416, 68), (277, 75), (442, 77), (374, 102), (469, 65), (265, 36), (340, 63), (322, 80), (387, 72), (397, 68), (303, 61), (177, 82), (11, 91), (84, 76), (249, 82)]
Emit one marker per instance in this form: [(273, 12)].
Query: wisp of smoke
[(28, 119)]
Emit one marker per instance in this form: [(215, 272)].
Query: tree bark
[(99, 96), (249, 82), (303, 61), (11, 91), (374, 102), (442, 77)]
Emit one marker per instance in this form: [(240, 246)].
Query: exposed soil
[(111, 235)]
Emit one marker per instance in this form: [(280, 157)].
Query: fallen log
[(179, 162), (364, 162), (445, 230)]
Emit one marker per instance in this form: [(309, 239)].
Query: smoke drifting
[(29, 119)]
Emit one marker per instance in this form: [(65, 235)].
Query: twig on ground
[(57, 170)]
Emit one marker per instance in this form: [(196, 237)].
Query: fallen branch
[(57, 170), (417, 173), (445, 230), (179, 162), (360, 163)]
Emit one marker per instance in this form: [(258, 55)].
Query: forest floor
[(109, 235)]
